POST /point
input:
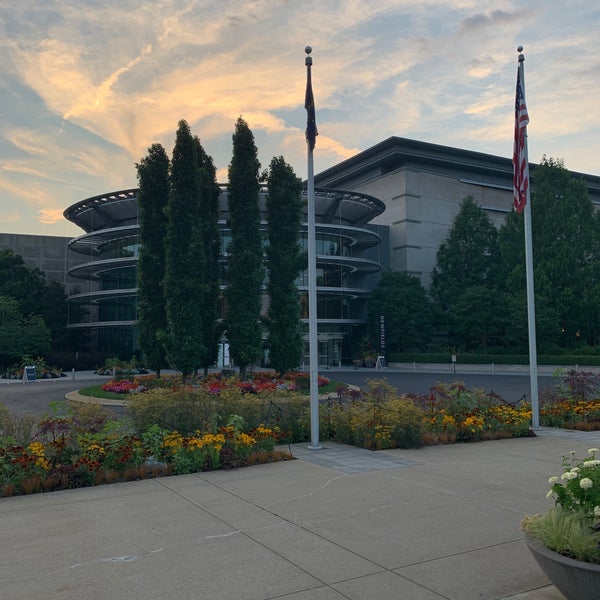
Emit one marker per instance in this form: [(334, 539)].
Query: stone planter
[(574, 579)]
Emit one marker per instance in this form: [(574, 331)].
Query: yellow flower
[(37, 449)]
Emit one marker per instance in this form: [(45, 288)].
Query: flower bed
[(381, 418), (121, 387), (71, 452), (571, 414)]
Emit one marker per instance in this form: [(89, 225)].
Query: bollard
[(73, 373)]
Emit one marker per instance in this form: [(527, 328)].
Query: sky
[(86, 86)]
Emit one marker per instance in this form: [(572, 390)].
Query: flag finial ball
[(308, 49), (520, 49)]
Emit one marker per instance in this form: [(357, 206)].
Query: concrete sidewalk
[(431, 524)]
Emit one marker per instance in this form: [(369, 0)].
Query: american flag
[(309, 105), (520, 162)]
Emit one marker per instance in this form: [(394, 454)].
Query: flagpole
[(533, 376), (312, 264)]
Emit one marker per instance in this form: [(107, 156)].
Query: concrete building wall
[(49, 254), (421, 204)]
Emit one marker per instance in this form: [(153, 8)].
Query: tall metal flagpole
[(533, 375), (311, 133)]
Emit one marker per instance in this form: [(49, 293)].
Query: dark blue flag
[(309, 105)]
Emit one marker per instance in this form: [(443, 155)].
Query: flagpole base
[(317, 447)]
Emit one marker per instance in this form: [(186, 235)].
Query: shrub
[(191, 409), (378, 420)]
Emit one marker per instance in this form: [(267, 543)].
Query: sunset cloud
[(86, 92)]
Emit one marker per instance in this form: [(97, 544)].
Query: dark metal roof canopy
[(120, 209)]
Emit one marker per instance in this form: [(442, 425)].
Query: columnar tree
[(285, 257), (209, 221), (245, 272), (153, 196), (185, 258)]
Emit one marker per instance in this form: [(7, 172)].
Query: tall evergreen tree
[(467, 258), (153, 196), (245, 272), (211, 235), (185, 258), (284, 255), (566, 257), (402, 300)]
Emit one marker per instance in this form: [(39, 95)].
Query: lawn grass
[(96, 391)]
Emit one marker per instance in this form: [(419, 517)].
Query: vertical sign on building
[(381, 362)]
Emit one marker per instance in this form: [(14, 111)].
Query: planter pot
[(574, 579)]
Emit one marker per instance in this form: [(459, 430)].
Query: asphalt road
[(510, 387), (36, 397)]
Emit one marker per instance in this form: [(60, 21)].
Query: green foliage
[(566, 253), (80, 446), (34, 296), (185, 258), (211, 239), (572, 528), (152, 198), (378, 420), (479, 317), (568, 533), (284, 255), (578, 487), (403, 301), (16, 429), (20, 282), (468, 258), (245, 271), (19, 334), (188, 410)]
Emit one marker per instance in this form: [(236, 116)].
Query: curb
[(77, 397)]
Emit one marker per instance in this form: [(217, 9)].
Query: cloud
[(85, 92), (49, 216)]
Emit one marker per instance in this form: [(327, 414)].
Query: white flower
[(593, 450), (551, 493), (554, 479), (572, 453), (591, 463), (575, 469), (597, 511), (586, 483), (568, 475)]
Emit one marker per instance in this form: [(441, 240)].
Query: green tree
[(36, 296), (185, 259), (57, 313), (19, 334), (245, 271), (21, 282), (211, 235), (152, 198), (566, 258), (402, 300), (284, 257), (468, 257), (479, 318)]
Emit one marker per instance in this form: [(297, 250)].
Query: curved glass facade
[(348, 267)]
